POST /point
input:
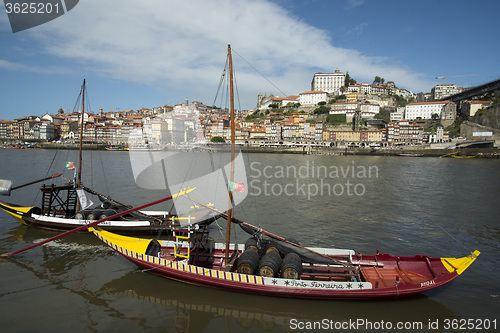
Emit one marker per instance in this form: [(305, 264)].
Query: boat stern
[(459, 265)]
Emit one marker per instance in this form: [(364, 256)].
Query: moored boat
[(70, 204), (350, 276)]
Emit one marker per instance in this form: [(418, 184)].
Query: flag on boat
[(236, 187), (70, 166), (84, 201)]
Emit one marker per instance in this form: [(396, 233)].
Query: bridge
[(476, 144), (475, 91)]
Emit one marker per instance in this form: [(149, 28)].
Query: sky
[(136, 54)]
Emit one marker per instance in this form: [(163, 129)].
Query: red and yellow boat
[(349, 275)]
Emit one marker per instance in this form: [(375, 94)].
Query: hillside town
[(337, 112)]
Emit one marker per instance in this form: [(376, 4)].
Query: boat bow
[(15, 210)]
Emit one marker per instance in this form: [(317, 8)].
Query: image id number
[(31, 8)]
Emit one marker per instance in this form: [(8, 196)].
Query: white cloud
[(181, 46), (14, 66), (354, 3)]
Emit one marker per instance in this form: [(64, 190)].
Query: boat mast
[(231, 176), (79, 179)]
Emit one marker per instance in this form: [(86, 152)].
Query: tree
[(377, 80), (322, 110), (322, 103), (349, 81), (217, 139), (336, 119)]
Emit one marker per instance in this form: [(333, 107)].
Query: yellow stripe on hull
[(459, 264), (138, 245), (15, 211)]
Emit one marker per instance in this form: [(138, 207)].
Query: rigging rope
[(260, 73)]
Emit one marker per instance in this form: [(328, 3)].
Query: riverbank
[(408, 151)]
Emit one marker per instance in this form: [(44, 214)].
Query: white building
[(397, 115), (47, 131), (312, 97), (329, 82), (343, 107), (424, 110), (368, 110), (444, 90)]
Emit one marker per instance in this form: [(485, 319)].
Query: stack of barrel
[(264, 258)]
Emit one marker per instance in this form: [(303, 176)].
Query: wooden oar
[(37, 181), (83, 227), (7, 190)]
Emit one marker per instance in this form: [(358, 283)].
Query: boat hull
[(413, 275), (158, 222), (16, 211)]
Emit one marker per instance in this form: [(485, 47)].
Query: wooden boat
[(274, 266), (66, 206), (410, 155), (351, 276), (116, 148), (455, 155)]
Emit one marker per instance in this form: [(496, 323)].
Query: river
[(441, 207)]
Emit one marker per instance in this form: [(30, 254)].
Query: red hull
[(382, 276)]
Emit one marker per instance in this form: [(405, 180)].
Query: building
[(328, 82), (426, 110), (397, 115), (404, 132), (343, 107), (354, 136), (444, 90), (264, 102), (312, 97), (469, 108)]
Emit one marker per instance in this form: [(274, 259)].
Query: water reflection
[(195, 308)]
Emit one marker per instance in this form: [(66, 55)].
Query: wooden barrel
[(107, 213), (270, 245), (94, 214), (248, 262), (270, 264), (252, 244), (80, 215), (292, 267)]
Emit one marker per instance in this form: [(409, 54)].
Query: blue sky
[(149, 53)]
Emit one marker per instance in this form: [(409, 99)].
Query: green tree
[(336, 119), (322, 110), (217, 139)]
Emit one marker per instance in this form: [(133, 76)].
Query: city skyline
[(146, 55)]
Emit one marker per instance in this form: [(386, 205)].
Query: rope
[(260, 73)]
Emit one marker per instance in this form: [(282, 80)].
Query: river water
[(441, 207)]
